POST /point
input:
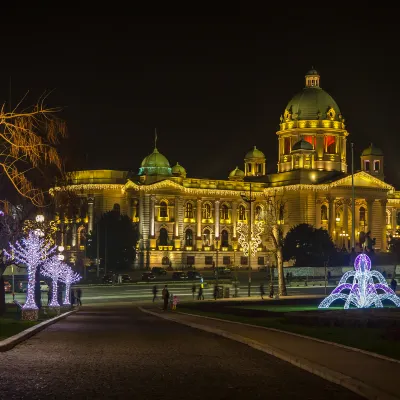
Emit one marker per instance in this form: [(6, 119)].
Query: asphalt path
[(122, 353), (140, 292)]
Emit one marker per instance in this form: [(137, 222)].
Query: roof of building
[(236, 173), (302, 145), (155, 159), (372, 150), (178, 169), (254, 153), (312, 71)]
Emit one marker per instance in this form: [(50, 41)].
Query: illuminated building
[(183, 219)]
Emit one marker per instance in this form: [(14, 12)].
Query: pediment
[(362, 179)]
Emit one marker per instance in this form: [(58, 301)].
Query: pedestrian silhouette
[(216, 292), (271, 292), (193, 290), (200, 295), (262, 291), (72, 297), (155, 291), (165, 296), (79, 296)]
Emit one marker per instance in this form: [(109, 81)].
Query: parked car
[(126, 278), (7, 287), (179, 275), (148, 276), (107, 279), (159, 271), (44, 287), (22, 286), (223, 271), (194, 275)]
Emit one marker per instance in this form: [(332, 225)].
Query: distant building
[(183, 220)]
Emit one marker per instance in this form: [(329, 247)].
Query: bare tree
[(274, 216), (27, 142)]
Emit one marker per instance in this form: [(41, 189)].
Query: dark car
[(148, 276), (7, 287), (107, 279), (159, 271), (178, 275), (126, 278), (194, 275)]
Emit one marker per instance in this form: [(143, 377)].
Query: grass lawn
[(370, 339), (10, 323)]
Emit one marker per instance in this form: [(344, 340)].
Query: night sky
[(212, 86)]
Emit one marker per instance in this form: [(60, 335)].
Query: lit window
[(330, 144), (242, 213), (258, 212), (207, 211), (224, 212), (224, 238), (377, 165), (163, 209), (207, 237), (189, 210), (189, 237), (259, 168), (324, 213), (362, 214), (366, 163)]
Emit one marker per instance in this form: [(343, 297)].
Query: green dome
[(312, 71), (302, 145), (178, 170), (313, 103), (236, 174), (155, 164), (254, 153), (372, 151)]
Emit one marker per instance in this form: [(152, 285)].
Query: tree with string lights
[(68, 276), (32, 252), (53, 268)]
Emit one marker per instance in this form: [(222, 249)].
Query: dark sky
[(213, 86)]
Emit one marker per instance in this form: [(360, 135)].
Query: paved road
[(128, 293), (121, 353)]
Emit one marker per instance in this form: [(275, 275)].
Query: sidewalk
[(373, 377)]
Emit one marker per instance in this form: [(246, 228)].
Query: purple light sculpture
[(363, 291)]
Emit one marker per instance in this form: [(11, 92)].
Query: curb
[(9, 343), (338, 378)]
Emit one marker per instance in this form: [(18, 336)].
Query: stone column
[(383, 216), (394, 219), (370, 204), (332, 216), (176, 215), (216, 215), (234, 218), (198, 219), (90, 202), (152, 216), (73, 244)]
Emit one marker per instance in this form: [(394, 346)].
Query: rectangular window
[(190, 260), (260, 261), (286, 145), (208, 260), (377, 165), (226, 260), (330, 144), (366, 162), (243, 260)]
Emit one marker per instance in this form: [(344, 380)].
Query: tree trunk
[(2, 296), (281, 275)]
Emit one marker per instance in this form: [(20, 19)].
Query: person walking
[(200, 295), (271, 292), (165, 296), (262, 291), (175, 301), (193, 290), (393, 285), (72, 297), (79, 296), (155, 291), (216, 292)]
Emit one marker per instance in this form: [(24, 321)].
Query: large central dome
[(312, 103)]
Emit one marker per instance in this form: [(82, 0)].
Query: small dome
[(155, 164), (254, 153), (236, 174), (302, 145), (312, 71), (178, 170), (372, 151)]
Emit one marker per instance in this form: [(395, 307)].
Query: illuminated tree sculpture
[(68, 276), (32, 252), (53, 268), (363, 291)]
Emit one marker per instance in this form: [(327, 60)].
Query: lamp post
[(249, 200)]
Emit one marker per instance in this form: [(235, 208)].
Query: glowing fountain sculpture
[(68, 276), (363, 292), (32, 252)]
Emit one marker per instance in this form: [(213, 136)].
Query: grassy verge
[(375, 340)]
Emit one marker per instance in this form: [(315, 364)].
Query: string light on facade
[(255, 241), (363, 292), (53, 269), (68, 276), (32, 252)]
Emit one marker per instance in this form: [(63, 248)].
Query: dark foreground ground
[(121, 353)]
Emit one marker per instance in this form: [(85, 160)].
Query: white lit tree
[(68, 276), (32, 252), (53, 268)]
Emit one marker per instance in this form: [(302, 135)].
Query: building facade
[(186, 221)]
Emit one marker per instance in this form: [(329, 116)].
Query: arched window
[(207, 237), (189, 210), (81, 236), (207, 211), (224, 212), (324, 213), (163, 209), (165, 261), (224, 238), (163, 239), (362, 214), (189, 237), (258, 213), (117, 208), (242, 213)]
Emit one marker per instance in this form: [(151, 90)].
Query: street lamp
[(249, 200), (39, 218)]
